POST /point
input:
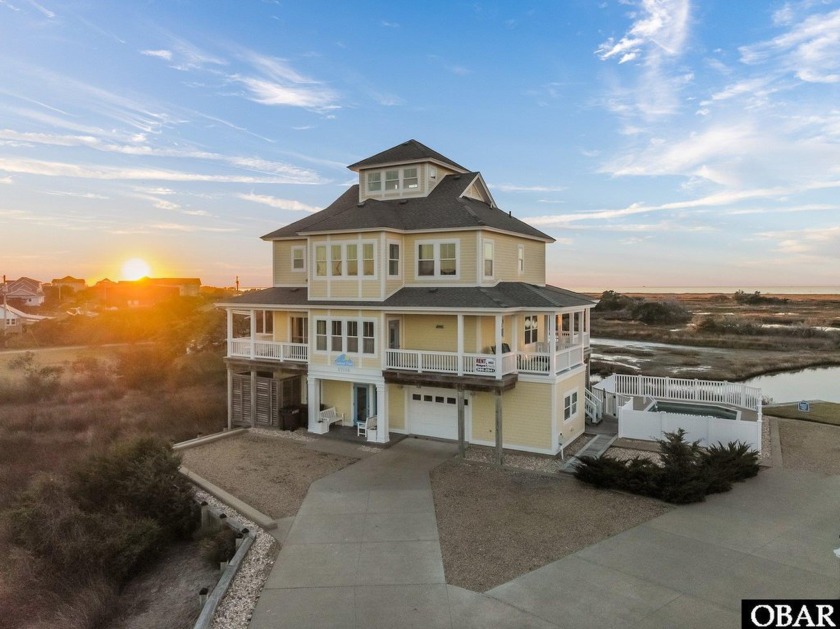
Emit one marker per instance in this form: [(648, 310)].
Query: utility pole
[(237, 283)]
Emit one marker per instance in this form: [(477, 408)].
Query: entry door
[(393, 333), (360, 395)]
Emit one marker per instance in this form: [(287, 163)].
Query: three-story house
[(414, 300)]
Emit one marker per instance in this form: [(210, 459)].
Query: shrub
[(660, 312), (686, 473), (219, 546), (611, 301), (139, 477), (143, 366)]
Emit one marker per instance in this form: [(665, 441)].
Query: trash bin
[(290, 417)]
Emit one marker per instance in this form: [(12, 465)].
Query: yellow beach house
[(413, 304)]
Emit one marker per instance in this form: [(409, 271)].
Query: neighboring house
[(415, 299), (69, 284), (25, 292), (144, 292), (13, 321)]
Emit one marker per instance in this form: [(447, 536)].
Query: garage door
[(434, 413)]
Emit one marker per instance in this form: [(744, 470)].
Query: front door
[(360, 396)]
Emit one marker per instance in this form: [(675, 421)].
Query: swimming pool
[(687, 408)]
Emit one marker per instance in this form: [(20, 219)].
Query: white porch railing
[(271, 350), (540, 362), (448, 362), (594, 406), (683, 389)]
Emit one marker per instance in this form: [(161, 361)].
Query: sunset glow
[(135, 268)]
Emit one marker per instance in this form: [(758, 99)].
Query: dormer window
[(374, 182), (392, 180), (410, 180)]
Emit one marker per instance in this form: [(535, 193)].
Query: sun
[(135, 268)]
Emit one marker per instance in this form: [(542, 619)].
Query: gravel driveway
[(496, 524), (809, 446), (268, 473)]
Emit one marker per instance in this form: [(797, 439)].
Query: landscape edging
[(200, 441), (262, 520)]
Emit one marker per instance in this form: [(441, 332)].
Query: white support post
[(253, 397), (498, 346), (313, 400), (229, 398), (382, 413), (460, 345), (229, 332), (253, 334), (552, 344)]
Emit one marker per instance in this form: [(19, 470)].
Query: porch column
[(382, 413), (313, 402), (229, 394), (500, 459), (229, 332), (498, 347), (460, 345), (515, 323), (553, 339), (461, 427), (253, 333), (253, 398)]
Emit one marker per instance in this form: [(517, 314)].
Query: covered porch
[(268, 334)]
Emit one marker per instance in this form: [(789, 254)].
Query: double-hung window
[(570, 403), (410, 180), (520, 258), (352, 260), (393, 259), (335, 259), (298, 258), (368, 266), (300, 329), (392, 180), (344, 259), (531, 329), (353, 336), (264, 321), (488, 258), (437, 259), (374, 181), (321, 260)]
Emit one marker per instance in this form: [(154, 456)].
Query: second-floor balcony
[(270, 350)]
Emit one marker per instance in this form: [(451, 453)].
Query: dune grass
[(821, 412)]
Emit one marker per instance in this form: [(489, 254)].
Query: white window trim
[(401, 181), (360, 244), (520, 259), (360, 321), (576, 404), (301, 248), (400, 259), (436, 276), (492, 244), (535, 321)]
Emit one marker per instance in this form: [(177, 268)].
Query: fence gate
[(272, 395)]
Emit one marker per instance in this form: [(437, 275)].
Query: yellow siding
[(338, 394), (570, 430), (347, 289), (488, 333), (526, 416), (281, 326), (421, 332), (282, 262), (370, 289), (505, 254), (318, 289), (470, 325), (392, 286), (396, 407)]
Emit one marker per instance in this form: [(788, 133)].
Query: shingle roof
[(410, 151), (501, 296), (443, 208)]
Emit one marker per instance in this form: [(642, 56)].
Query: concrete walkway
[(363, 552)]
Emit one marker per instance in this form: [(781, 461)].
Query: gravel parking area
[(271, 474), (810, 446), (496, 524)]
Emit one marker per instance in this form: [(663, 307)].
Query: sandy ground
[(496, 524), (271, 475), (166, 593), (810, 446)]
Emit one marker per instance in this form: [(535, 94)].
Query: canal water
[(819, 383)]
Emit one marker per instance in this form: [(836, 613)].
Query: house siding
[(572, 429), (282, 259), (340, 395), (421, 332), (526, 416), (466, 259), (396, 407)]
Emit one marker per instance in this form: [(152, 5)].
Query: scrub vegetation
[(88, 490), (685, 472)]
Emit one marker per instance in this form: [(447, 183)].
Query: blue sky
[(661, 142)]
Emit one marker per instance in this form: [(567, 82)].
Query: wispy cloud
[(160, 54), (275, 202), (810, 48), (42, 9), (655, 40), (6, 180), (80, 195), (388, 24)]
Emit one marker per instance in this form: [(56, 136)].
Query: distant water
[(820, 383), (767, 290)]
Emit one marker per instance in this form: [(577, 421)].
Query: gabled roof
[(444, 208), (501, 296), (411, 151)]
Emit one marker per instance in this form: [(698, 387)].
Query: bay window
[(393, 259), (351, 336)]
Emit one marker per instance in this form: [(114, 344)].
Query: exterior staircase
[(594, 448), (593, 407)]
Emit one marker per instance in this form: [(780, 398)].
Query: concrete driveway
[(363, 552)]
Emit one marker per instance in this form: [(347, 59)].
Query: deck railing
[(271, 350), (687, 390), (538, 363)]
